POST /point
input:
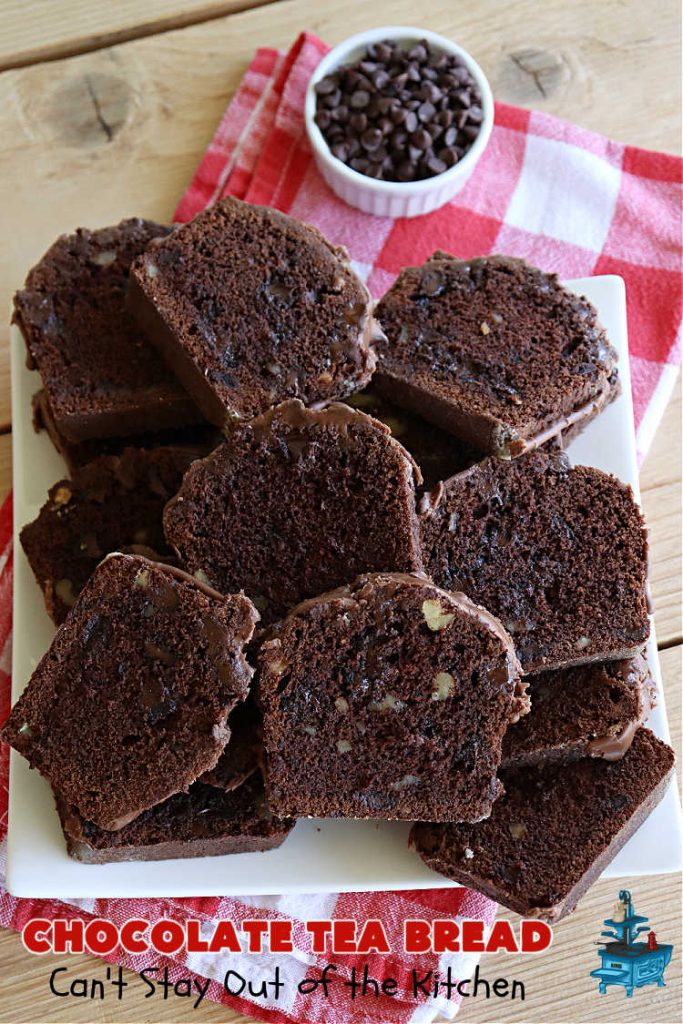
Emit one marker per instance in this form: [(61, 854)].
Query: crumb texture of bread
[(492, 350), (553, 832), (251, 307), (387, 698), (295, 503), (101, 376), (129, 704), (551, 550)]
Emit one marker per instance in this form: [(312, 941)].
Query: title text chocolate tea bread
[(554, 831), (297, 502), (387, 698), (585, 711), (114, 502), (250, 307), (438, 454), (493, 351), (559, 554), (101, 376), (204, 822), (129, 704)]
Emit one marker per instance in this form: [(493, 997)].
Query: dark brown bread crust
[(250, 307), (297, 502), (554, 831), (387, 699), (129, 705), (493, 351), (204, 822), (550, 549), (113, 503), (439, 455), (201, 436), (101, 376), (585, 711)]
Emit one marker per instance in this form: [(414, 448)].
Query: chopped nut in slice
[(517, 831), (201, 577), (64, 589), (484, 328), (386, 704), (343, 746), (310, 729), (435, 616), (105, 258), (342, 705), (444, 685), (62, 496), (142, 579), (467, 853)]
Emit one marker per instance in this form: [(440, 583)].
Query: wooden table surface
[(105, 109)]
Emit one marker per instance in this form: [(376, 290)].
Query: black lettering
[(500, 987), (479, 980), (390, 987), (238, 978), (420, 984), (518, 985), (55, 991), (96, 986), (148, 981)]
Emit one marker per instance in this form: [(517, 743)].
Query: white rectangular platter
[(319, 856)]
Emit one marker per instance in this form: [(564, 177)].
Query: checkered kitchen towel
[(567, 200)]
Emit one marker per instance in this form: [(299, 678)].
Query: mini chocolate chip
[(426, 112), (371, 138), (436, 165), (326, 86), (421, 139), (410, 121), (359, 99), (358, 122)]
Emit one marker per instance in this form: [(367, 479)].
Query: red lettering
[(501, 937), (281, 937), (225, 937), (473, 936), (536, 936), (34, 935), (131, 932), (101, 936), (255, 930), (319, 931), (167, 936), (417, 936), (343, 936), (373, 938), (67, 936)]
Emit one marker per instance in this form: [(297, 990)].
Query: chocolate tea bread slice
[(554, 831), (101, 376), (250, 307), (585, 711), (387, 698), (493, 351), (559, 554), (296, 502), (129, 705), (204, 822), (114, 502)]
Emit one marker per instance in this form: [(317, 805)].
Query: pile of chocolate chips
[(399, 115)]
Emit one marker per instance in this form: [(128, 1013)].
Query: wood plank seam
[(103, 41)]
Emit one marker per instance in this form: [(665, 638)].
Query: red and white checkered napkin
[(567, 200)]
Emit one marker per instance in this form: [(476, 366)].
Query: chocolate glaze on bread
[(101, 376), (387, 698), (559, 554), (129, 704), (250, 307), (204, 822), (585, 711), (439, 455), (296, 502), (493, 351), (554, 831), (112, 503)]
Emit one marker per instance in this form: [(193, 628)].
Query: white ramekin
[(394, 198)]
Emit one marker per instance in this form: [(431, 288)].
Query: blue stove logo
[(624, 961)]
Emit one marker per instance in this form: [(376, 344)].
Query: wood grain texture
[(118, 132), (45, 30)]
